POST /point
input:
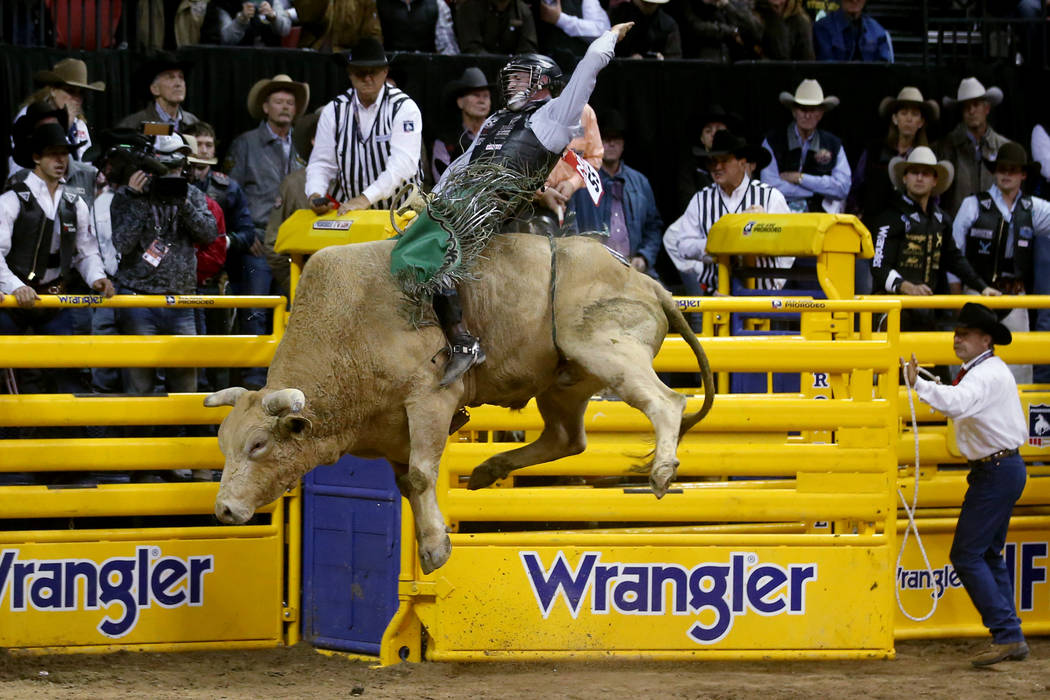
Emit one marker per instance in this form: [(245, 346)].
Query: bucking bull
[(352, 375)]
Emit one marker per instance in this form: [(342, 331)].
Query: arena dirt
[(933, 669)]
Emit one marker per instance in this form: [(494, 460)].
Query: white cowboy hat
[(972, 89), (194, 156), (809, 94), (922, 155), (910, 97), (263, 88)]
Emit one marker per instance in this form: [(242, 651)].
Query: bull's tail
[(677, 323)]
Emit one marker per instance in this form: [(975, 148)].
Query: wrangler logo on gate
[(122, 586), (728, 590)]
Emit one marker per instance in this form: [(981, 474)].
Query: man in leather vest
[(996, 230), (913, 241), (45, 233), (529, 136), (809, 165)]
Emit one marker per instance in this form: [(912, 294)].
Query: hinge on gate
[(289, 614), (429, 589)]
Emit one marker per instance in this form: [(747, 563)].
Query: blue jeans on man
[(158, 321), (256, 280), (980, 535)]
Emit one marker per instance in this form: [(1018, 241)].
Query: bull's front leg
[(428, 422)]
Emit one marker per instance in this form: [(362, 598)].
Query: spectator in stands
[(720, 30), (240, 228), (908, 114), (913, 239), (166, 77), (787, 33), (65, 86), (246, 22), (852, 35), (588, 146), (627, 212), (972, 142), (417, 25), (156, 223), (495, 26), (570, 26), (336, 25), (693, 175), (996, 230), (290, 198), (1040, 147), (655, 34), (259, 160), (733, 191), (473, 95), (169, 24), (809, 165), (368, 170)]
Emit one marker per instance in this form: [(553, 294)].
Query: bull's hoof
[(660, 479), (484, 474), (433, 559)]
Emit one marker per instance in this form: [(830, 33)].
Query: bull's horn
[(284, 401), (224, 397)]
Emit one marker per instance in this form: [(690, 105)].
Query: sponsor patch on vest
[(982, 233), (24, 195), (823, 156), (70, 196), (409, 126)]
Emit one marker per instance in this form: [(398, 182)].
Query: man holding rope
[(989, 427)]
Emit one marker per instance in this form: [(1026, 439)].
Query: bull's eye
[(257, 448)]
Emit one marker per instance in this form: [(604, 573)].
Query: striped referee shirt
[(370, 151), (686, 239)]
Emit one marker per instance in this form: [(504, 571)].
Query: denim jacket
[(834, 38), (644, 226)]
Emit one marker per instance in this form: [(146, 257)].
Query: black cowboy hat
[(156, 63), (1011, 153), (726, 143), (717, 113), (612, 125), (26, 125), (368, 53), (985, 320), (473, 78), (49, 135)]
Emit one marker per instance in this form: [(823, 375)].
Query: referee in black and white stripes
[(730, 162), (368, 140)]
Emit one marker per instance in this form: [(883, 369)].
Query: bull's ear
[(224, 397), (282, 401), (293, 425)]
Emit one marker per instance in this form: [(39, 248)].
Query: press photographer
[(156, 221)]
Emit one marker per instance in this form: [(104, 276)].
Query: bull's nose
[(231, 513)]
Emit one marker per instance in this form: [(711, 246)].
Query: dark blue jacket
[(230, 196), (644, 226), (835, 39)]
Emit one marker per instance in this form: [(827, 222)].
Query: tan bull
[(353, 376)]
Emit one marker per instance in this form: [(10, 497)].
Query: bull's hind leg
[(627, 369), (428, 421), (562, 407)]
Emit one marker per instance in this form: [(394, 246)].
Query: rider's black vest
[(509, 141), (987, 242), (30, 254)]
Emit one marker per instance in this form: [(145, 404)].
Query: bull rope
[(910, 511)]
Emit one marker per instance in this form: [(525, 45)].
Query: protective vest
[(408, 27), (30, 255), (509, 141), (999, 249), (820, 158)]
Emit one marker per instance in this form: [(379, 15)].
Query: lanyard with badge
[(157, 250)]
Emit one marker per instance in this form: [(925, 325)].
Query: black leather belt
[(1001, 454)]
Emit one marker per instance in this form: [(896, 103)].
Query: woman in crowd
[(787, 32)]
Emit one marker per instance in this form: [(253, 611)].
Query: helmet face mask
[(524, 76)]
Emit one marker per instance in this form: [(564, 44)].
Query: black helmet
[(537, 66)]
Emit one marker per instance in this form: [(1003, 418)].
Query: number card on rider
[(590, 176)]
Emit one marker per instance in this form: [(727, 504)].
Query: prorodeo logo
[(728, 590), (122, 586)]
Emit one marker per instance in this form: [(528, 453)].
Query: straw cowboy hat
[(265, 87), (809, 94), (71, 72), (972, 89), (922, 155), (910, 97), (194, 157), (1011, 153), (985, 320)]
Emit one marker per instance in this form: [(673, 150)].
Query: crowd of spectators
[(721, 30), (953, 213)]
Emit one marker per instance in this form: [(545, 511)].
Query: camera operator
[(156, 221)]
